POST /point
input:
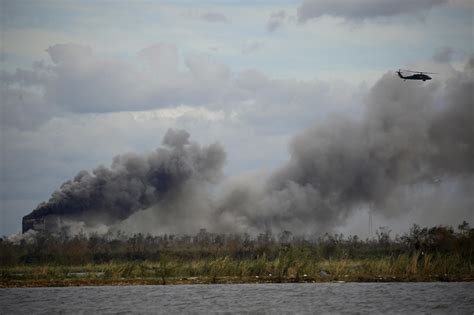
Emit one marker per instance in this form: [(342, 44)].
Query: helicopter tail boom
[(400, 74)]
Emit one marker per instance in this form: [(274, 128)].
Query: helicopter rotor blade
[(420, 72)]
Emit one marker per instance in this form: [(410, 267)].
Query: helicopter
[(419, 75)]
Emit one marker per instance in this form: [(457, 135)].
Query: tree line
[(63, 249)]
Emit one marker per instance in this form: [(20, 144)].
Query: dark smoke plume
[(134, 182), (408, 142)]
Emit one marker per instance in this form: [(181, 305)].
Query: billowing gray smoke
[(409, 139), (134, 182)]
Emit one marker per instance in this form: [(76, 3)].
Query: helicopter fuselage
[(418, 76)]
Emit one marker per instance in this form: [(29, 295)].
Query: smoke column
[(408, 140), (134, 182), (404, 144)]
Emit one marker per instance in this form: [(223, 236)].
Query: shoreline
[(75, 282)]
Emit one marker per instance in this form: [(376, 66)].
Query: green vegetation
[(423, 254)]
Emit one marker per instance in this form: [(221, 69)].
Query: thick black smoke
[(410, 140), (135, 182)]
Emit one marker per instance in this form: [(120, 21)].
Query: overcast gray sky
[(84, 81)]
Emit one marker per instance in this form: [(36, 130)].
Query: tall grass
[(286, 267)]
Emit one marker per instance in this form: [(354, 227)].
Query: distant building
[(49, 223)]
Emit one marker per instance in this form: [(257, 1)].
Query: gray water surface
[(397, 298)]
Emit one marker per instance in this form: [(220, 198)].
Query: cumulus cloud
[(78, 81), (364, 9)]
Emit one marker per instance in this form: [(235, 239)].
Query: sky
[(82, 82)]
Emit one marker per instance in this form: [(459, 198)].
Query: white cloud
[(181, 112), (79, 81)]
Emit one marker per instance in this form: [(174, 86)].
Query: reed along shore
[(424, 254)]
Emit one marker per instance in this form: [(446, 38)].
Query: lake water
[(388, 298)]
